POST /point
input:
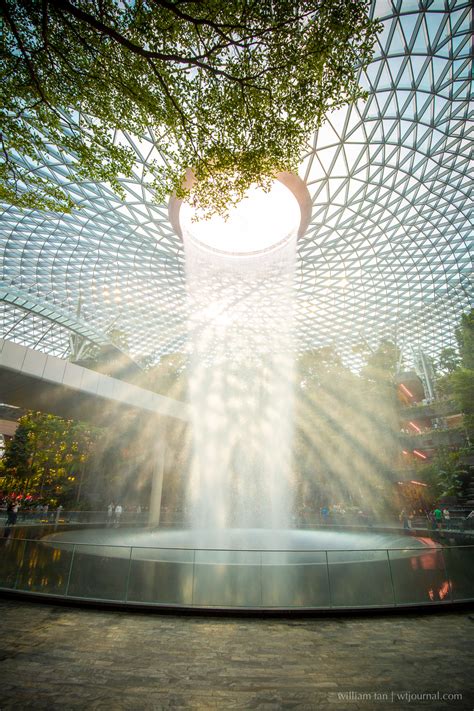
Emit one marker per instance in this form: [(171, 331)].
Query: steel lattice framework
[(386, 254)]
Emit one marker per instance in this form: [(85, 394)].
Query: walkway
[(71, 658), (35, 380)]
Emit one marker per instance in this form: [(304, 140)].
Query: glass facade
[(386, 254)]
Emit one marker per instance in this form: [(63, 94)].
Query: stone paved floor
[(54, 657)]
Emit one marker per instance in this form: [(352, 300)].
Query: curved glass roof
[(386, 254)]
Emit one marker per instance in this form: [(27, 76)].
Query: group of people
[(114, 514), (42, 511), (115, 511), (439, 518), (336, 513), (28, 509)]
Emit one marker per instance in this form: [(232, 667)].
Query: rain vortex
[(240, 387)]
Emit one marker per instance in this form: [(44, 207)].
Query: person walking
[(324, 514), (110, 513)]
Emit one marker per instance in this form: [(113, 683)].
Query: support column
[(158, 459)]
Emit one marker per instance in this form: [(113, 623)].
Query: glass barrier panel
[(11, 559), (45, 568), (227, 578), (161, 575), (418, 575), (359, 578), (32, 532), (99, 572), (294, 579), (460, 568)]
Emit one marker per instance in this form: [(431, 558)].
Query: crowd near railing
[(458, 521), (62, 516)]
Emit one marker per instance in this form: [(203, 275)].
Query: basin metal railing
[(239, 579), (86, 519)]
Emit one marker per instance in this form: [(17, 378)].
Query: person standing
[(404, 519), (118, 514), (10, 514), (446, 517), (110, 513), (438, 517)]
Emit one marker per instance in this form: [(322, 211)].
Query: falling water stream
[(241, 387)]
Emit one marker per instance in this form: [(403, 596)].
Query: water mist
[(240, 386)]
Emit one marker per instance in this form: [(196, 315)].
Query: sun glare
[(261, 221)]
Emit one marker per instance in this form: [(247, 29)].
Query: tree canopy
[(231, 89), (465, 339), (382, 363), (448, 360), (45, 456), (446, 473), (458, 380)]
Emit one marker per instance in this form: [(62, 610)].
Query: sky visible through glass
[(386, 254)]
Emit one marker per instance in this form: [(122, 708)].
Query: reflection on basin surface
[(234, 545), (248, 569)]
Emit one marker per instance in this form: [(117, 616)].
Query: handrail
[(54, 542)]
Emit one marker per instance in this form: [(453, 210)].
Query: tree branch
[(23, 50), (15, 173), (44, 22), (199, 21), (184, 120), (64, 5)]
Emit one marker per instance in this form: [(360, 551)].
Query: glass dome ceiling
[(386, 254)]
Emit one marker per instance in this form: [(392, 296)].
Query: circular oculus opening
[(262, 221)]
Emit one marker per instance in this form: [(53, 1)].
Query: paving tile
[(55, 657)]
